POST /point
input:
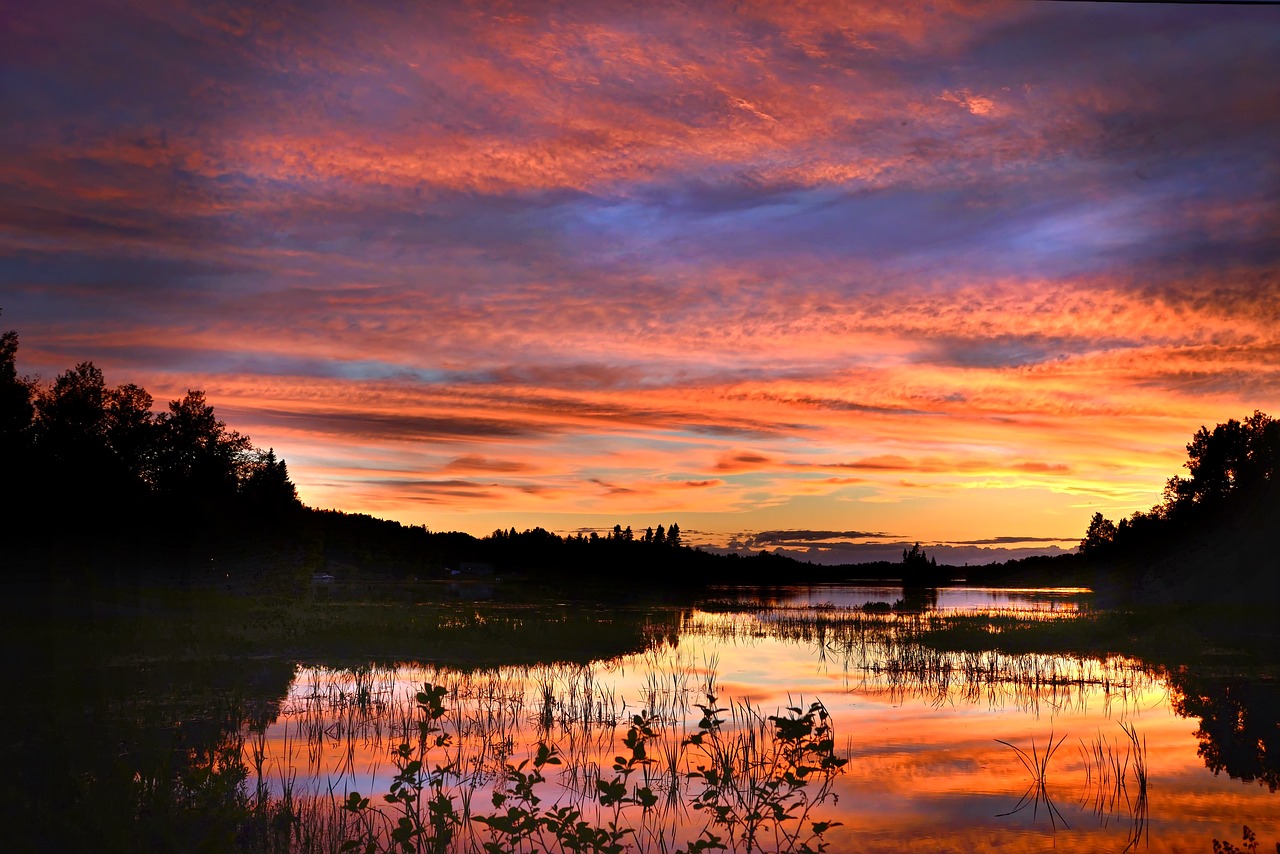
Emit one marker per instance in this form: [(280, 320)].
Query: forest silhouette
[(107, 485)]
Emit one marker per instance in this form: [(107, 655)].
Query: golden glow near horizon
[(958, 273)]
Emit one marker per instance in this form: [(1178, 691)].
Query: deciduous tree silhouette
[(16, 409), (1235, 457), (1230, 500), (198, 457), (130, 430), (72, 416), (79, 470), (1099, 537)]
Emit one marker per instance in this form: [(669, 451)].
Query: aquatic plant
[(1107, 772), (756, 785), (525, 825), (1249, 842), (414, 786), (758, 779), (1037, 765)]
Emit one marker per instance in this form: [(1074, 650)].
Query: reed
[(1139, 752), (1037, 765), (335, 719)]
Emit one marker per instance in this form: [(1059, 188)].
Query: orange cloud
[(709, 259)]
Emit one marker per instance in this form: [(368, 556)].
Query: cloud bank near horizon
[(855, 547)]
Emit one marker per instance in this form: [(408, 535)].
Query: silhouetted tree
[(72, 446), (673, 535), (915, 558), (1229, 500), (660, 536), (20, 469), (1234, 457), (72, 416), (130, 431), (197, 456), (16, 409), (268, 488), (1099, 537)]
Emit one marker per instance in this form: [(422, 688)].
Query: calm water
[(922, 729), (1040, 600)]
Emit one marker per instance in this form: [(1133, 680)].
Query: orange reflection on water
[(932, 761)]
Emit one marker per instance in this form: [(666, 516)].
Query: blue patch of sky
[(806, 222)]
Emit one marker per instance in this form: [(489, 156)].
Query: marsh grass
[(1037, 765), (336, 728), (342, 719), (1109, 766), (737, 769), (1139, 829), (940, 658)]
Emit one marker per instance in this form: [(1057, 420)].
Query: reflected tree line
[(1239, 729)]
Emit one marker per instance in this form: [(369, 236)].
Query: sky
[(820, 277)]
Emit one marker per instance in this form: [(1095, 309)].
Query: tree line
[(660, 537), (89, 462), (1233, 472), (94, 472), (93, 469)]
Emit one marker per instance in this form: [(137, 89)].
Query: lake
[(960, 719)]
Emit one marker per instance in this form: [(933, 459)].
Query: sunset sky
[(820, 276)]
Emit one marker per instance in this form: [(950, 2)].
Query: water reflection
[(924, 727), (953, 598), (1239, 730)]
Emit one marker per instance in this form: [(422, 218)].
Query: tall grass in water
[(939, 657), (1109, 766), (1139, 757), (667, 779), (1139, 829), (497, 716), (1037, 765), (754, 783)]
